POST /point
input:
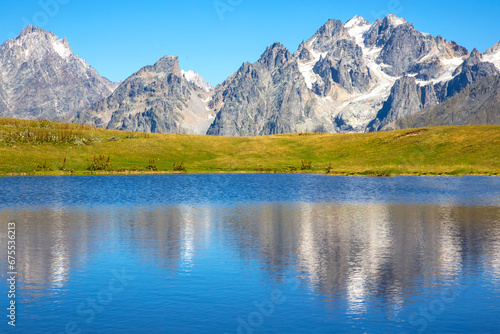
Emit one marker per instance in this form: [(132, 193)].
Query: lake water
[(253, 254)]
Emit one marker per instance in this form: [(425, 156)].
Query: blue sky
[(214, 37)]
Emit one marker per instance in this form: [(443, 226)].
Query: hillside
[(34, 147)]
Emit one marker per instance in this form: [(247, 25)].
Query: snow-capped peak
[(35, 42), (356, 21), (394, 20), (356, 27), (196, 79), (492, 55)]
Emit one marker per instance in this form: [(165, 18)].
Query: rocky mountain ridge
[(157, 98), (362, 77), (352, 77)]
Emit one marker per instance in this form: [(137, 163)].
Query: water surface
[(254, 254)]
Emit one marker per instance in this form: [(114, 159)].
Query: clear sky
[(214, 37)]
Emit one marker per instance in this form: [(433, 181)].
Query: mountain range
[(348, 77)]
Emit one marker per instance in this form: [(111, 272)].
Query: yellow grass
[(41, 147)]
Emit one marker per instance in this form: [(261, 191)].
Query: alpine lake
[(251, 253)]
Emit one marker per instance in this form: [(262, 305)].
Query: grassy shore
[(42, 147)]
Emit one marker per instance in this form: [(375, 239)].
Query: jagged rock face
[(406, 99), (338, 61), (405, 49), (304, 54), (492, 55), (344, 66), (479, 103), (155, 99), (471, 70), (40, 77), (267, 97), (380, 31), (324, 40), (427, 70)]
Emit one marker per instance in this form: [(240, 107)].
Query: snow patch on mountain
[(307, 68), (395, 21), (356, 21), (356, 27), (59, 47), (189, 75), (492, 55), (450, 66), (197, 80), (370, 55)]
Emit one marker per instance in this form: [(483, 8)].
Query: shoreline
[(144, 173)]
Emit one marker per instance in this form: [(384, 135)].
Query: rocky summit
[(157, 99), (267, 97), (40, 77), (348, 77)]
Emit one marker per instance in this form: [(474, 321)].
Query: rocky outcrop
[(40, 77), (344, 66), (325, 39), (406, 99), (156, 98)]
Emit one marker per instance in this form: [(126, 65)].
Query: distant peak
[(169, 60), (275, 55), (331, 26), (37, 41), (494, 49), (30, 29), (168, 64), (196, 79), (475, 57), (356, 21), (276, 45), (274, 49), (476, 54), (394, 21)]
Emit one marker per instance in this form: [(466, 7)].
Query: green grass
[(41, 147)]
